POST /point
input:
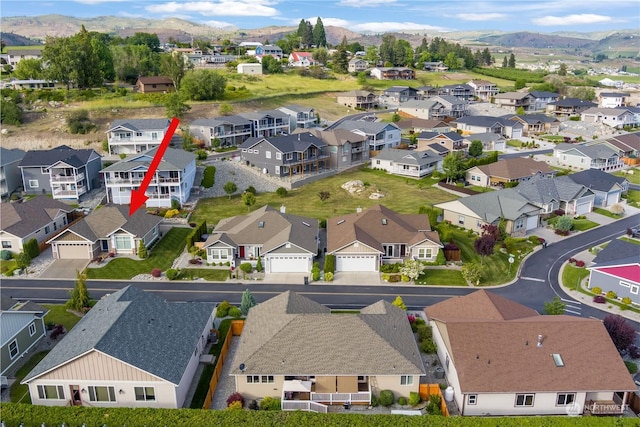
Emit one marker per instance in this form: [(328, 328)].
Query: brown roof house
[(502, 358), (509, 170), (363, 240), (294, 348), (154, 84)]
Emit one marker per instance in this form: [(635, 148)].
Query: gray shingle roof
[(596, 179), (453, 136), (75, 158), (487, 121), (10, 156), (298, 142), (493, 205), (22, 219), (417, 158), (618, 252), (545, 190), (257, 115), (292, 335), (543, 94), (573, 102), (597, 151), (141, 124), (173, 160), (370, 128), (137, 328), (532, 118)]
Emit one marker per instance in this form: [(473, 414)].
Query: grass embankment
[(633, 178), (58, 315), (19, 393), (442, 277)]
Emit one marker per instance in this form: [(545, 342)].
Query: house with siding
[(399, 94), (617, 268), (597, 156), (136, 135), (515, 101), (107, 230), (613, 99), (463, 92), (10, 176), (357, 65), (490, 141), (379, 135), (627, 145), (414, 125), (21, 329), (393, 73), (568, 107), (154, 84), (294, 348), (226, 131), (607, 188), (484, 90), (411, 163), (434, 108), (358, 99), (535, 124), (346, 148), (504, 171), (301, 60), (504, 359), (481, 124), (542, 98), (616, 118), (132, 349), (557, 193), (301, 117), (451, 141), (268, 122)]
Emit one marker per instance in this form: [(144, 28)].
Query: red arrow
[(138, 198)]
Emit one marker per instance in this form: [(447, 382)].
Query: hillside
[(537, 40)]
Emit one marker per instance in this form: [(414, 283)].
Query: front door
[(241, 249), (75, 395)]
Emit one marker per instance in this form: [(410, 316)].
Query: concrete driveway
[(64, 268)]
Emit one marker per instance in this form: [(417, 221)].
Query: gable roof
[(10, 156), (408, 123), (573, 102), (298, 142), (626, 142), (22, 219), (626, 272), (66, 154), (335, 137), (137, 328), (452, 136), (493, 205), (173, 160), (140, 124), (418, 158), (518, 167), (9, 304), (617, 112), (234, 120), (597, 151), (618, 252), (377, 225), (487, 121), (290, 334), (512, 95), (545, 190), (544, 94), (369, 128), (479, 305), (150, 80), (258, 115), (596, 179), (532, 118)]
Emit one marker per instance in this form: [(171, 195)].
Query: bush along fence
[(428, 390), (196, 234)]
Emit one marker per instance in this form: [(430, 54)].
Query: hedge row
[(34, 416), (208, 177), (195, 235), (31, 248)]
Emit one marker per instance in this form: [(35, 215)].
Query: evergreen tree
[(505, 62), (319, 36), (398, 302), (512, 61), (86, 71), (142, 250), (247, 302), (79, 295), (305, 32), (341, 58), (387, 53)]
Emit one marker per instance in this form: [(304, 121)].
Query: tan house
[(505, 171), (503, 358), (363, 240), (484, 89), (294, 348), (132, 349), (154, 84), (515, 100), (535, 124), (358, 99)]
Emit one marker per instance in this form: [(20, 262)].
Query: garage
[(611, 198), (356, 263), (532, 222), (73, 250), (288, 264), (583, 207)]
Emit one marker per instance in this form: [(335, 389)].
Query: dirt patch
[(456, 76)]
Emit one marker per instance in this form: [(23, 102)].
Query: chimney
[(283, 209), (539, 341), (358, 209)]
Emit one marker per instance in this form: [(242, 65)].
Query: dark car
[(599, 299)]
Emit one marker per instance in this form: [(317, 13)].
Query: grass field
[(19, 393), (606, 212), (572, 276), (583, 224), (633, 178), (442, 277), (633, 198), (58, 315)]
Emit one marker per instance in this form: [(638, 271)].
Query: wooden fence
[(427, 390), (234, 330)]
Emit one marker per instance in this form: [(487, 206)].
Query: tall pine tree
[(319, 36)]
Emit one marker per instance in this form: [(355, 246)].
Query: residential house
[(463, 92), (490, 141), (535, 124), (393, 73), (515, 101), (14, 54), (225, 131), (452, 141), (285, 156), (507, 171), (358, 99), (437, 107), (285, 243), (427, 91), (481, 124), (613, 99), (346, 148), (21, 328), (357, 65), (154, 84), (616, 268), (293, 348), (452, 106), (132, 349), (617, 118), (172, 179), (502, 358), (423, 125), (10, 176), (106, 230), (268, 123), (484, 90), (557, 193), (33, 84), (598, 156), (268, 49), (416, 164), (379, 135), (63, 172), (542, 98), (364, 240), (434, 66), (473, 212), (249, 68), (627, 145), (301, 59), (399, 94), (301, 117), (568, 107), (607, 188), (136, 135), (39, 218)]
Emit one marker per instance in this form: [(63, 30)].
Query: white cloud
[(585, 18), (379, 27), (218, 24), (480, 16), (365, 3), (334, 22), (217, 8)]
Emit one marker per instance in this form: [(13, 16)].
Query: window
[(519, 224), (123, 242), (47, 230), (278, 156), (289, 156), (634, 289), (253, 379), (524, 399), (33, 183), (257, 379), (406, 379), (32, 329), (565, 399), (44, 171), (13, 349), (51, 392), (145, 393), (6, 244), (267, 154), (472, 399), (102, 394), (461, 219), (267, 379), (425, 253), (624, 284), (138, 134), (219, 254)]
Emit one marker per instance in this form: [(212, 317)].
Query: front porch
[(316, 393)]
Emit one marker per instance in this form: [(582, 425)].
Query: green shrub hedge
[(330, 263), (31, 248), (208, 177), (197, 232)]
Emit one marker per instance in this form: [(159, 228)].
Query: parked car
[(599, 299)]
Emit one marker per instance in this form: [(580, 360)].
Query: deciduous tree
[(203, 85), (174, 67), (484, 246), (249, 199), (475, 148), (622, 333), (29, 68), (452, 165), (554, 307), (230, 187)]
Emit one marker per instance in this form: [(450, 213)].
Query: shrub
[(315, 273), (31, 248), (414, 398), (234, 406), (631, 366), (251, 189), (208, 177), (579, 263), (142, 250), (596, 290), (156, 272), (79, 123), (270, 404), (246, 267), (201, 154), (223, 309), (402, 400), (259, 265), (330, 263), (424, 332), (235, 397), (282, 192), (172, 274), (634, 352), (6, 255), (564, 223), (171, 213), (420, 321), (328, 276), (387, 398), (626, 300), (611, 295), (374, 400), (433, 408), (235, 312), (428, 346)]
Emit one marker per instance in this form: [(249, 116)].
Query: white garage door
[(583, 207), (356, 263), (612, 198), (516, 133), (289, 264), (532, 222), (73, 251)]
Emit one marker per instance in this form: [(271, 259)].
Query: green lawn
[(210, 274), (572, 276), (8, 266), (606, 212), (552, 138), (514, 143), (442, 277), (633, 198), (632, 178), (19, 393), (58, 315), (583, 224), (162, 256), (405, 195)]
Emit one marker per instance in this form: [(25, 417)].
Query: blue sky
[(361, 15)]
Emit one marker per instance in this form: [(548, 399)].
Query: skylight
[(261, 224), (557, 359), (384, 221)]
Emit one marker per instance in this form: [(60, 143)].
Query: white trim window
[(634, 289), (32, 329), (102, 394), (51, 392), (565, 399), (472, 399), (406, 379), (257, 379), (123, 242), (524, 399), (219, 254), (145, 394), (267, 154), (6, 244), (33, 183), (278, 156), (425, 253), (13, 349)]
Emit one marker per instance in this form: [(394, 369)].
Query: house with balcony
[(484, 90), (301, 117), (21, 329), (515, 101), (379, 135), (357, 65), (434, 108), (346, 148), (616, 118), (502, 358), (536, 124), (434, 66), (10, 176), (393, 73), (267, 49), (613, 99), (283, 242), (411, 163), (482, 124), (285, 156), (135, 135), (63, 172), (364, 240), (172, 180), (542, 98), (293, 348), (225, 131), (268, 123), (400, 94), (450, 141), (463, 92), (568, 107), (599, 156), (358, 99)]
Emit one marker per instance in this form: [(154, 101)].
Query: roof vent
[(358, 209), (557, 359), (340, 222), (306, 224), (384, 221), (242, 367), (283, 209), (539, 341)]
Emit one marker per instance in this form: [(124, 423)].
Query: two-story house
[(542, 98), (449, 141), (613, 99), (268, 49), (614, 117), (380, 135), (599, 156), (399, 94), (301, 59), (301, 117), (481, 124), (136, 135), (358, 99), (22, 327), (357, 65), (346, 148), (412, 163), (393, 73), (172, 180), (484, 90), (568, 107), (10, 177), (515, 101), (463, 92), (268, 123), (63, 172), (226, 131), (437, 107), (288, 155)]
